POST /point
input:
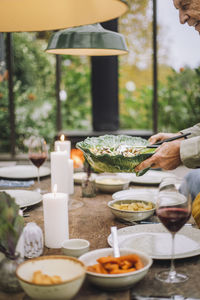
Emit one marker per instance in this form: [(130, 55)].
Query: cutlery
[(156, 145), (145, 222), (172, 297), (115, 241), (24, 208), (169, 140), (149, 222), (26, 215)]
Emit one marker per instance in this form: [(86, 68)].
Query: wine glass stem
[(38, 177), (172, 271)]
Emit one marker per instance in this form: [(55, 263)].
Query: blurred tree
[(34, 85), (136, 67), (179, 103), (34, 90), (76, 107), (179, 106)]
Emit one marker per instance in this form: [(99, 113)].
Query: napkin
[(15, 183), (196, 210)]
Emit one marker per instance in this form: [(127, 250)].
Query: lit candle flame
[(55, 190), (62, 137)]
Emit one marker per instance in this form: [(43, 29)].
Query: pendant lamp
[(91, 40), (40, 15)]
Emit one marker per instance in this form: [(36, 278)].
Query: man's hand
[(161, 136), (167, 157)]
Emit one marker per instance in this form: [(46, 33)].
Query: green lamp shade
[(91, 40), (39, 15)]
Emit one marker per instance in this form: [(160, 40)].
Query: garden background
[(35, 94)]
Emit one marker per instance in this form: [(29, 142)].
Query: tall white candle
[(61, 174), (55, 209), (63, 145), (71, 180)]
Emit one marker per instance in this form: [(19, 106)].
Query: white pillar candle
[(55, 209), (71, 180), (60, 171), (63, 145)]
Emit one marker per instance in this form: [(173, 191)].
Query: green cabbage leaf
[(107, 153)]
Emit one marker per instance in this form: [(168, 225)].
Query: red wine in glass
[(173, 218), (38, 159), (38, 154), (173, 208)]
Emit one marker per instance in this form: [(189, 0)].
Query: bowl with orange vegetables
[(110, 273)]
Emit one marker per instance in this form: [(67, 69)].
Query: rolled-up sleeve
[(190, 152), (194, 130)]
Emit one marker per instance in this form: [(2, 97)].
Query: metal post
[(155, 71), (11, 94), (58, 103), (105, 105)]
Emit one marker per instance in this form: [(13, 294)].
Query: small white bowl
[(80, 176), (111, 184), (130, 215), (117, 281), (75, 247), (71, 271)]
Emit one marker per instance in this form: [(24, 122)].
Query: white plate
[(23, 172), (136, 194), (24, 198), (79, 176), (155, 240), (151, 177), (7, 163)]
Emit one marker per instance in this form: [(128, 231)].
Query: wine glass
[(173, 208), (38, 154)]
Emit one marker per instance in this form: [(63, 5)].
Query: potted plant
[(11, 227)]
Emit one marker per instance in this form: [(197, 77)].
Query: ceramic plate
[(7, 163), (151, 177), (23, 172), (79, 176), (155, 240), (136, 194), (25, 198)]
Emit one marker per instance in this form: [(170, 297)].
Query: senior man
[(183, 151)]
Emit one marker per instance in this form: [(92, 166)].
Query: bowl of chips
[(51, 277), (132, 210), (111, 273)]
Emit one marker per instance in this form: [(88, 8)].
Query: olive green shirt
[(190, 147)]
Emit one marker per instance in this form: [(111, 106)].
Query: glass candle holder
[(88, 187)]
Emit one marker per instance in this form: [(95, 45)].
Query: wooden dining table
[(92, 221)]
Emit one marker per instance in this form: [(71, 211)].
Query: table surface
[(92, 221)]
